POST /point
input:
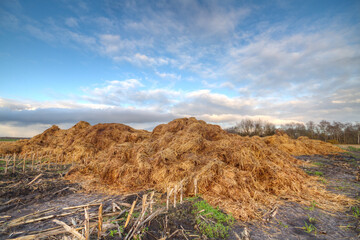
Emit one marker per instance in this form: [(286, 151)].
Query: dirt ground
[(338, 172), (50, 197)]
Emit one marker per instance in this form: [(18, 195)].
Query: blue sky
[(147, 62)]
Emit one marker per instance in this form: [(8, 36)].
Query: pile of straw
[(301, 146), (241, 175)]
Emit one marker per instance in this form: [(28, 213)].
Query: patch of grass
[(211, 221), (340, 187), (311, 219), (323, 180), (352, 154), (312, 207), (282, 224), (318, 173), (355, 211), (354, 149), (318, 164), (347, 227), (192, 199), (8, 140), (310, 228), (113, 232)]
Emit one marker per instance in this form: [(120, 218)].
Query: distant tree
[(269, 129), (336, 131), (258, 128), (324, 128), (246, 127), (310, 127)]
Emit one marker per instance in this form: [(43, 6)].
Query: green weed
[(354, 149), (312, 207), (311, 219), (113, 232), (318, 164), (283, 225), (310, 228), (211, 221), (355, 211), (323, 180), (316, 173), (192, 199)]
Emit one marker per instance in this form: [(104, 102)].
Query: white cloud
[(14, 130), (141, 58), (115, 87), (132, 93), (71, 22), (298, 64), (168, 75)]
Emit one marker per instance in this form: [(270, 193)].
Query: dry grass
[(241, 175), (301, 146)]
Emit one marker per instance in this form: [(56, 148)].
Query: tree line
[(335, 132)]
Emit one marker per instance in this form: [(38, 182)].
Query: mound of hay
[(241, 175), (79, 142), (11, 147), (301, 146)]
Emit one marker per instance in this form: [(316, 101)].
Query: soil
[(337, 172), (15, 190)]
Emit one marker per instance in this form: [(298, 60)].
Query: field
[(55, 196), (351, 147), (9, 139)]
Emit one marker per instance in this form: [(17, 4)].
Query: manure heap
[(301, 146), (241, 175)]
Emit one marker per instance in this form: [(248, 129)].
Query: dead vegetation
[(301, 146), (241, 175)]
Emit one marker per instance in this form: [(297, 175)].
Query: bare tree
[(348, 133), (310, 127)]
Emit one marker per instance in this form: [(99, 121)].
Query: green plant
[(136, 214), (318, 173), (355, 211), (312, 207), (282, 224), (311, 219), (192, 199), (8, 139), (113, 232), (354, 149), (141, 233), (320, 164), (323, 180), (211, 221), (310, 228)]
